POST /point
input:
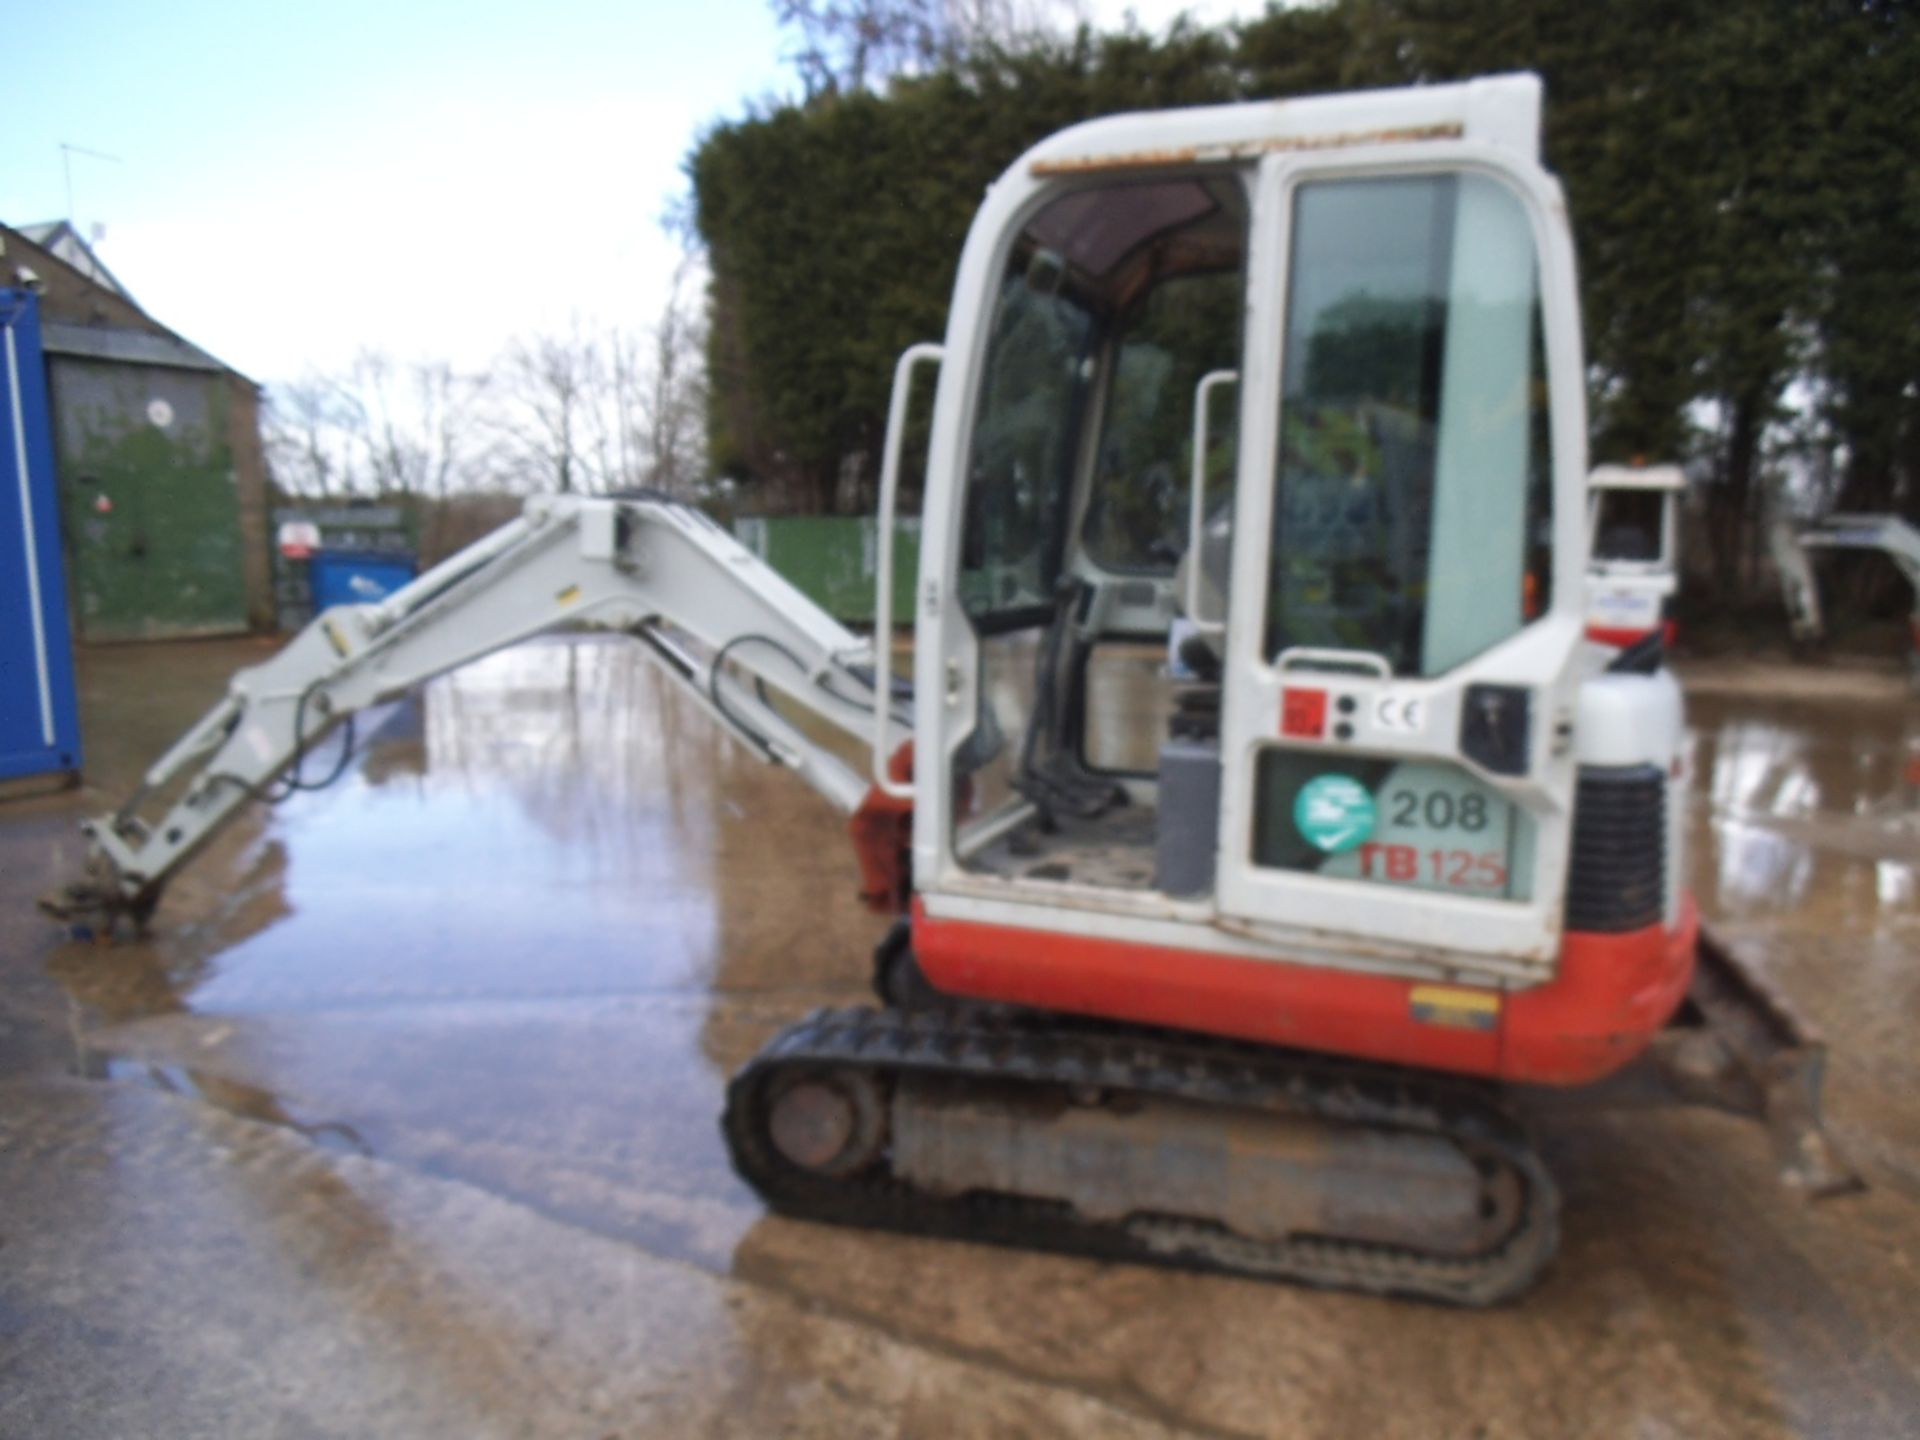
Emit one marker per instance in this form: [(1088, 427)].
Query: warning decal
[(1451, 1005)]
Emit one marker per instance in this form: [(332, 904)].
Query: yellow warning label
[(1449, 1005)]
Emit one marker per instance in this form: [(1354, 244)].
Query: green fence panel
[(833, 560)]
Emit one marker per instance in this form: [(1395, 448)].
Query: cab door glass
[(1039, 366), (1411, 518), (1412, 509)]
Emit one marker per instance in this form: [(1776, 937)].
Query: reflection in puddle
[(543, 803), (249, 1102), (1795, 794), (545, 912)]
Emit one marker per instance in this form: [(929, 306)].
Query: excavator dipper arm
[(1791, 549), (719, 621)]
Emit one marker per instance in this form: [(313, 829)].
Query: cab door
[(1406, 586)]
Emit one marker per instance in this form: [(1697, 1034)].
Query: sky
[(290, 184)]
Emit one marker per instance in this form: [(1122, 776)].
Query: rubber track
[(969, 1043)]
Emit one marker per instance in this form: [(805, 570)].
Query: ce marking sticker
[(1401, 714)]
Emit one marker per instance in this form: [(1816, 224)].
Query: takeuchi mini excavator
[(1278, 410)]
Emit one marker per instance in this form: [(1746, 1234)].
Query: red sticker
[(1303, 713)]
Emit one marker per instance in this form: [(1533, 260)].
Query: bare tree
[(382, 427), (855, 44), (545, 387), (845, 44), (453, 452), (612, 410), (673, 412), (974, 25), (581, 411), (309, 439), (615, 428)]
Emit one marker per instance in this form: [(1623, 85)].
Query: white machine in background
[(1792, 545), (1633, 517)]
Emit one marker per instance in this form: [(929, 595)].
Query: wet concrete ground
[(403, 1123)]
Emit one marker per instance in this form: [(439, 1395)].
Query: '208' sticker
[(1420, 825)]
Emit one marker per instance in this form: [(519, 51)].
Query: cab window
[(1412, 509), (1628, 525), (1180, 330)]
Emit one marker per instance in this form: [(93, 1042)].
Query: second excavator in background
[(1794, 548)]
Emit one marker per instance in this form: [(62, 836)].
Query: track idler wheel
[(830, 1122)]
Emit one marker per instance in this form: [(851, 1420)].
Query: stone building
[(162, 478)]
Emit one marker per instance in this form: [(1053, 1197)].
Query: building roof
[(58, 237), (84, 310), (134, 347)]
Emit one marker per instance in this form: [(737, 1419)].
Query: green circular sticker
[(1335, 812)]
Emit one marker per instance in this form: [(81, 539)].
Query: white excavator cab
[(1286, 402), (1633, 517)]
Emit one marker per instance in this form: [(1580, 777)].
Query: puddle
[(544, 913)]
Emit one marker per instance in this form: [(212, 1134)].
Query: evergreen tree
[(1739, 178)]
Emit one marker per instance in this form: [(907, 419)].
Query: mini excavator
[(1278, 408)]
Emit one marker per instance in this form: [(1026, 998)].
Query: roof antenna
[(67, 152)]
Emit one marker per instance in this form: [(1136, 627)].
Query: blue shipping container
[(39, 721), (355, 577)]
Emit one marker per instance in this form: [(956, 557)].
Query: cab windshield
[(1116, 300)]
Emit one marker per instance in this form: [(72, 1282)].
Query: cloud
[(436, 235), (440, 211)]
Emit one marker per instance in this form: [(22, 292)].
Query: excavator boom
[(723, 624)]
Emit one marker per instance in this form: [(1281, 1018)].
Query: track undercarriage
[(1103, 1140), (1056, 1132)]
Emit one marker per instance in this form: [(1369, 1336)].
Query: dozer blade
[(1737, 1044)]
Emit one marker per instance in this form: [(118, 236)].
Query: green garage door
[(150, 499)]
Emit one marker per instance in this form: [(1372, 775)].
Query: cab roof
[(1501, 110), (1637, 477)]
